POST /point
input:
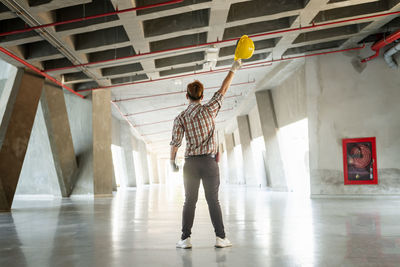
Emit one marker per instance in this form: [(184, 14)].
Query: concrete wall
[(122, 136), (7, 76), (80, 120), (343, 103), (116, 131), (38, 175), (289, 99), (254, 121)]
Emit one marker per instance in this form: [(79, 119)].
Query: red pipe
[(247, 66), (177, 92), (152, 123), (153, 110), (122, 115), (170, 131), (170, 107), (158, 122), (155, 80), (228, 40), (5, 51), (89, 17), (382, 43)]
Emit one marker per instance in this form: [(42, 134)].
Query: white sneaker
[(184, 243), (222, 243)]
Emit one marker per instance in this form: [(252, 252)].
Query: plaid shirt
[(197, 121)]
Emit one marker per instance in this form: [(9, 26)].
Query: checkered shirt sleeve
[(177, 133), (215, 103)]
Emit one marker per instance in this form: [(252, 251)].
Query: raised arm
[(227, 82)]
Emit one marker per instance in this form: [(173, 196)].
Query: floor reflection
[(11, 253), (140, 227), (366, 245)]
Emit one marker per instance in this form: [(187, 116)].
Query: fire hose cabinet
[(359, 161)]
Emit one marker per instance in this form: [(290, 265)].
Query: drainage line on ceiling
[(245, 67), (8, 53), (176, 92), (28, 29), (313, 25), (388, 56)]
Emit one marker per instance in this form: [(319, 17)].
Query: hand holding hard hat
[(244, 48), (237, 64)]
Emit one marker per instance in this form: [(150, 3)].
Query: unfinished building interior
[(89, 91)]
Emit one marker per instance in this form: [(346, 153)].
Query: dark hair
[(195, 90)]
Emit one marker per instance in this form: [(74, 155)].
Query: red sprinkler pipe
[(170, 107), (176, 92), (89, 17), (122, 115), (153, 110), (152, 123), (228, 40), (382, 43), (5, 51), (245, 67), (149, 111), (167, 78), (309, 55), (170, 131)]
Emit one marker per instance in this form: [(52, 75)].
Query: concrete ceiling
[(179, 25)]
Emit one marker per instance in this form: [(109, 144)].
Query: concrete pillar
[(154, 164), (232, 176), (59, 133), (102, 157), (161, 170), (223, 168), (275, 171), (248, 158), (15, 131), (144, 162), (126, 143)]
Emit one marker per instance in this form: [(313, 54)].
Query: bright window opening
[(293, 140)]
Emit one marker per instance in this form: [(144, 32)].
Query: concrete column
[(15, 131), (161, 170), (232, 176), (144, 162), (154, 165), (223, 168), (275, 171), (248, 158), (126, 143), (102, 157), (59, 133)]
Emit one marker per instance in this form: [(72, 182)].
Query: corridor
[(140, 227)]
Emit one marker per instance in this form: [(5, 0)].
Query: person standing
[(197, 123)]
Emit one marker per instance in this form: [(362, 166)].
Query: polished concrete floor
[(140, 228)]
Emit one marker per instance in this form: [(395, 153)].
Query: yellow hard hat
[(244, 48)]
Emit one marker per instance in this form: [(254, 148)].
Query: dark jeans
[(194, 170)]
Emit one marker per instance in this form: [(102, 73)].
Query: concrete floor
[(140, 228)]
